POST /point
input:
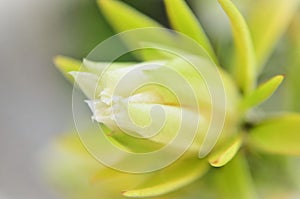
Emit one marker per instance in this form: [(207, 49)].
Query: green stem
[(234, 180)]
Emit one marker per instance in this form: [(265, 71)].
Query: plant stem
[(234, 180)]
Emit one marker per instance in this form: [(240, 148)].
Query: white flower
[(140, 100)]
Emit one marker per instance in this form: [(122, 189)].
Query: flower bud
[(142, 101)]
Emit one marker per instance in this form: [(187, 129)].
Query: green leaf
[(234, 179), (245, 68), (132, 144), (66, 65), (262, 93), (175, 51), (267, 22), (123, 17), (184, 21), (98, 67), (222, 156), (177, 175), (277, 135)]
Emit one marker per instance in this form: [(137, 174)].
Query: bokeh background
[(35, 98), (35, 102)]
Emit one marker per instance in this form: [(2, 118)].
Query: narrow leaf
[(278, 135), (66, 65), (267, 22), (222, 156), (262, 93), (132, 144), (245, 68), (180, 49), (123, 17), (171, 178), (98, 67), (183, 20)]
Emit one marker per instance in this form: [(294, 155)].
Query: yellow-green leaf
[(267, 22), (98, 67), (66, 65), (222, 156), (183, 20), (132, 144), (177, 175), (262, 93), (277, 135), (245, 68), (123, 17)]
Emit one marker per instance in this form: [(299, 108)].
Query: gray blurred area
[(35, 99), (35, 104)]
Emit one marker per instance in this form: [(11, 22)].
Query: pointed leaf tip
[(222, 156), (262, 93), (67, 64)]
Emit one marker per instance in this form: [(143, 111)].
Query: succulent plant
[(190, 95)]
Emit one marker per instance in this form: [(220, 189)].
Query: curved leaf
[(222, 156), (123, 17), (66, 65), (183, 20), (267, 22), (262, 93), (245, 69), (98, 67), (278, 135), (171, 178), (132, 144)]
